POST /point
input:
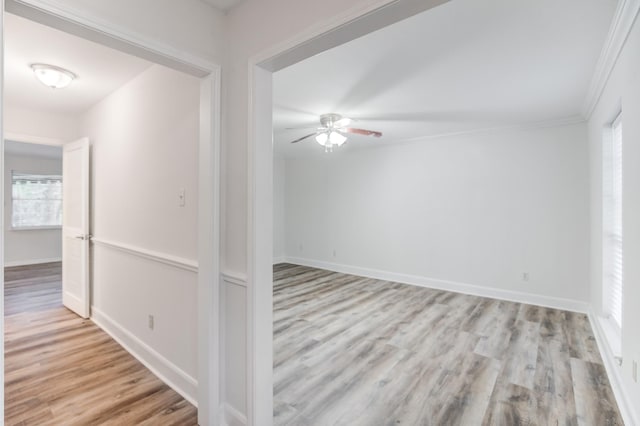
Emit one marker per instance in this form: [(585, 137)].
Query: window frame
[(11, 227), (609, 168)]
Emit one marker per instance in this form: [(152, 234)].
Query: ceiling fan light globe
[(337, 139), (322, 139)]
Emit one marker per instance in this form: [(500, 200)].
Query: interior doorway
[(201, 357), (260, 222)]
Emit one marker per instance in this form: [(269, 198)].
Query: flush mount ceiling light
[(52, 76)]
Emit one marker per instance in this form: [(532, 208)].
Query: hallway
[(62, 369)]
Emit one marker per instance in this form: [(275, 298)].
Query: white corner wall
[(25, 247), (144, 140), (468, 213), (279, 172), (622, 92)]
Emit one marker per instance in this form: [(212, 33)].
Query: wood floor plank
[(356, 351), (63, 370)]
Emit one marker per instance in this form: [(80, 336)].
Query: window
[(612, 223), (36, 201)]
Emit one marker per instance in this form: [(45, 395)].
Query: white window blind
[(612, 223), (36, 200)]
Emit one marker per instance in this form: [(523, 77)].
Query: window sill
[(36, 228)]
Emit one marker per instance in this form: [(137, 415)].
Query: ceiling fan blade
[(362, 132), (304, 137)]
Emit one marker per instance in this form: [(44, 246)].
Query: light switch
[(181, 197)]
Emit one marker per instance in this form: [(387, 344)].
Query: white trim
[(209, 306), (164, 369), (457, 287), (235, 278), (279, 259), (623, 20), (73, 302), (94, 28), (164, 258), (26, 262), (38, 140), (346, 25), (614, 371), (232, 416), (546, 124)]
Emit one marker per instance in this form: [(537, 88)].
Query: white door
[(75, 227)]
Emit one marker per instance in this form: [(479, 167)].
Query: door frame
[(333, 32), (79, 23)]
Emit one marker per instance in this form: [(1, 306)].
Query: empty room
[(447, 222), (337, 212)]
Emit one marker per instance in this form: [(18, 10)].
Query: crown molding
[(623, 20), (558, 122)]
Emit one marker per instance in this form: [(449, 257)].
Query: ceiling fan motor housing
[(329, 120)]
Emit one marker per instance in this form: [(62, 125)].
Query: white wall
[(145, 150), (22, 121), (622, 92), (279, 170), (477, 209), (23, 247)]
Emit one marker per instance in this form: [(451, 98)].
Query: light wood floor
[(356, 351), (63, 370)]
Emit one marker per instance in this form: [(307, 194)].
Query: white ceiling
[(100, 69), (33, 150), (463, 66), (222, 4)]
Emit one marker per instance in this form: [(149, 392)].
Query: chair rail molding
[(167, 259)]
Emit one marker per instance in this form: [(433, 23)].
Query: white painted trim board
[(614, 371), (457, 287), (621, 25), (164, 369), (155, 256), (231, 416)]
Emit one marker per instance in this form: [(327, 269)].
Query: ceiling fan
[(332, 131)]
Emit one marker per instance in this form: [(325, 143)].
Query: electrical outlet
[(151, 322), (634, 371), (334, 252), (300, 247), (181, 197), (525, 276)]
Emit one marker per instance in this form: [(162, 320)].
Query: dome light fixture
[(52, 76)]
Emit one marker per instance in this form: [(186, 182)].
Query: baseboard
[(614, 371), (231, 416), (279, 259), (8, 264), (457, 287), (74, 303), (165, 370)]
